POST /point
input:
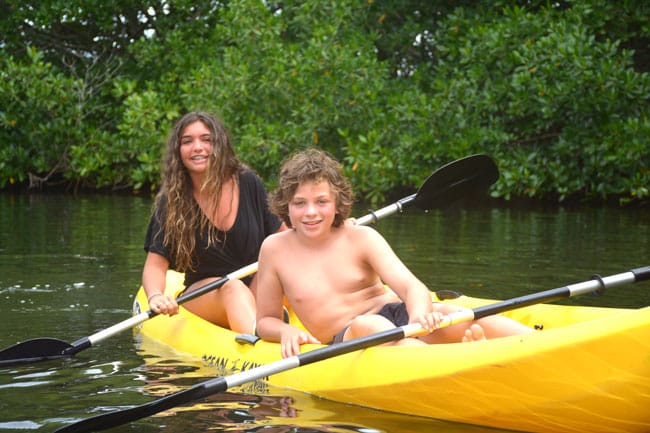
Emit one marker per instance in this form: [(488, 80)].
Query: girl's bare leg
[(231, 306)]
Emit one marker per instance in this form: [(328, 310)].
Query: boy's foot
[(474, 333)]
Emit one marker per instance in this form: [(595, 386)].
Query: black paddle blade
[(35, 350), (457, 179)]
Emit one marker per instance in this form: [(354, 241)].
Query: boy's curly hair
[(311, 165)]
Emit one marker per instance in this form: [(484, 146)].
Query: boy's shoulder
[(277, 239), (367, 237), (359, 234), (361, 230)]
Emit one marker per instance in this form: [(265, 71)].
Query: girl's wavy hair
[(183, 214), (311, 165)]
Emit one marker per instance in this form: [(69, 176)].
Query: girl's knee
[(235, 287)]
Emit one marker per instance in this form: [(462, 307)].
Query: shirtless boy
[(333, 273)]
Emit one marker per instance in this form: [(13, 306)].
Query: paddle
[(221, 384), (456, 179)]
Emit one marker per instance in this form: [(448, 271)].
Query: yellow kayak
[(586, 370)]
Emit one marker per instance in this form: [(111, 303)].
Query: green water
[(69, 267)]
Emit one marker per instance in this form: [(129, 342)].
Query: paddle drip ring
[(375, 218), (602, 288)]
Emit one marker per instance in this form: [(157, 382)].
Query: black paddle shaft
[(595, 284)]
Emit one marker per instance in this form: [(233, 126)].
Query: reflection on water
[(69, 267), (275, 410)]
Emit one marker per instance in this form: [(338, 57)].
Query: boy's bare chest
[(324, 272)]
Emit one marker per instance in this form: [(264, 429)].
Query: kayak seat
[(447, 294)]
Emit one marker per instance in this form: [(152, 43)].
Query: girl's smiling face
[(196, 147), (313, 208)]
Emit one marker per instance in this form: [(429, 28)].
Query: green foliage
[(556, 92), (550, 99), (38, 120)]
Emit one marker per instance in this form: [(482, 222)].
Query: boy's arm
[(270, 296), (393, 272)]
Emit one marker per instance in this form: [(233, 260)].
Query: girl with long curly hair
[(209, 219)]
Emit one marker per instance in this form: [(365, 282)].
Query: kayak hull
[(588, 369)]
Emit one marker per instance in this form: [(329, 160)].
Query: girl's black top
[(236, 248)]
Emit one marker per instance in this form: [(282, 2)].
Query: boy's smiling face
[(313, 208)]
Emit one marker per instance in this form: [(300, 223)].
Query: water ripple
[(19, 425)]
